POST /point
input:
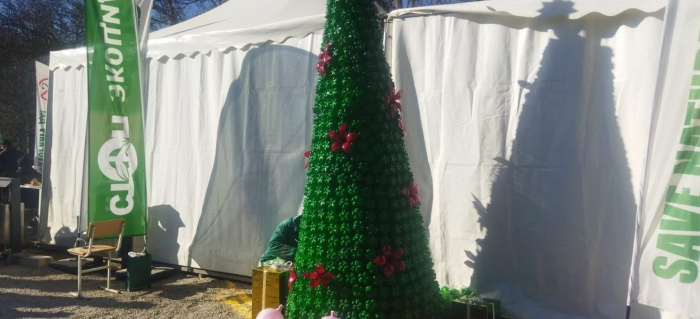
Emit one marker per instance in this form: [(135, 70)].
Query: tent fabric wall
[(527, 137), (226, 135), (66, 138)]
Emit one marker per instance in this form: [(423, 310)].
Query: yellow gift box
[(269, 288)]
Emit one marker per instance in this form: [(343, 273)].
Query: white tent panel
[(206, 87), (226, 136), (527, 138), (65, 142)]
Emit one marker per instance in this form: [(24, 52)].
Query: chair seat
[(82, 251)]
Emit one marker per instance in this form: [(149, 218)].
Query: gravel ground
[(44, 293)]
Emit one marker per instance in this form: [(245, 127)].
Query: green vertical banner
[(116, 162)]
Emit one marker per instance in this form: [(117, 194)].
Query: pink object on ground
[(271, 313)]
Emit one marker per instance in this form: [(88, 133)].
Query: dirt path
[(44, 293)]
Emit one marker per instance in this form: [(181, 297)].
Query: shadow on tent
[(560, 219), (164, 223), (258, 175)]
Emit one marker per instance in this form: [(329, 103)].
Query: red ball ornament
[(397, 253), (399, 265), (388, 271), (347, 147), (352, 136), (332, 135), (385, 249), (379, 260), (336, 146)]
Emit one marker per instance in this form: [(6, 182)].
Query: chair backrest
[(105, 228)]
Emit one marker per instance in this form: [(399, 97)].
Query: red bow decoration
[(320, 276), (292, 278), (412, 193), (391, 99), (324, 60), (391, 260), (342, 139), (307, 154)]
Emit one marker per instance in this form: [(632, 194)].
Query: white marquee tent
[(217, 143), (526, 126)]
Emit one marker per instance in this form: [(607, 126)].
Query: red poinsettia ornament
[(319, 277), (391, 99), (342, 139), (324, 60), (412, 193), (390, 259)]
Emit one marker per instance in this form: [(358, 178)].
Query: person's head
[(24, 162), (5, 144)]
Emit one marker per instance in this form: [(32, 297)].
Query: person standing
[(24, 171), (8, 156)]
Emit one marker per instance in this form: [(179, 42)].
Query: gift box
[(474, 309), (269, 288)]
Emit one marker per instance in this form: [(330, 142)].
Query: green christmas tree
[(362, 251)]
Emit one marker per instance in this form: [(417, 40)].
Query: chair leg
[(80, 279), (109, 275), (109, 268)]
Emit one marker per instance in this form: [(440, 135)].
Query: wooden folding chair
[(108, 228)]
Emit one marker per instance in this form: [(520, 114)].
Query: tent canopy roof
[(575, 9), (234, 24), (240, 23), (244, 14)]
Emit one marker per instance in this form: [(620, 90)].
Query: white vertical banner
[(42, 98), (667, 256)]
